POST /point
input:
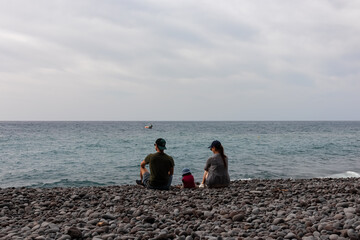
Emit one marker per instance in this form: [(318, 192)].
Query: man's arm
[(171, 172), (143, 164)]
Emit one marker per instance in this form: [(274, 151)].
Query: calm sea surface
[(51, 154)]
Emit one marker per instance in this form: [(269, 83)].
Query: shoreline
[(318, 208)]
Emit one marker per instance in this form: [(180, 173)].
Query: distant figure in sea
[(216, 168), (161, 168), (187, 179)]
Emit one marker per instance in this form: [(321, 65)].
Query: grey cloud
[(249, 59)]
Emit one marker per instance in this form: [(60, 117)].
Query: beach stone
[(40, 238), (95, 215), (274, 228), (149, 219), (343, 204), (102, 230), (290, 216), (316, 234), (74, 232), (108, 236), (109, 216), (329, 227), (53, 228), (231, 214), (233, 233), (94, 222), (338, 216), (357, 223), (256, 192), (238, 218), (290, 235), (333, 237), (349, 210), (278, 220), (65, 237), (349, 215), (162, 235), (352, 234), (281, 213), (337, 225), (255, 211), (309, 238), (208, 214)]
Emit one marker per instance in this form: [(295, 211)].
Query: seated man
[(161, 168)]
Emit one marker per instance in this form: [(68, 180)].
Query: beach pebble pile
[(253, 209)]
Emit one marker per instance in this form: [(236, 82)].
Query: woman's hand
[(204, 179)]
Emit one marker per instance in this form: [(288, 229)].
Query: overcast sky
[(180, 60)]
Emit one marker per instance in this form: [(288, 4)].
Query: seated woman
[(216, 169)]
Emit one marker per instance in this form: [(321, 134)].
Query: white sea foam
[(347, 174)]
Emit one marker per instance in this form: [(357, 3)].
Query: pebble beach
[(249, 209)]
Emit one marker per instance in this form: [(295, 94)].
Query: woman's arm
[(204, 177)]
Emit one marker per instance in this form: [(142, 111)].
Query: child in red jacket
[(188, 179)]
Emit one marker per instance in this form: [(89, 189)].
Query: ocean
[(75, 154)]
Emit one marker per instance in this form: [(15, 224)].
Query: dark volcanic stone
[(238, 218), (149, 220), (74, 232)]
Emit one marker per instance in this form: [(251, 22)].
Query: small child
[(188, 179)]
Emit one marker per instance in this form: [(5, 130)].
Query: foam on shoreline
[(347, 174)]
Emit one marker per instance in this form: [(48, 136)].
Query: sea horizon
[(91, 153)]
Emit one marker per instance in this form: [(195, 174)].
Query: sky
[(186, 60)]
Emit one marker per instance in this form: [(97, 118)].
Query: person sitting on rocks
[(216, 168), (187, 179), (161, 168)]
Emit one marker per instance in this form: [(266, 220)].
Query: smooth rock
[(40, 238), (208, 214), (352, 234), (65, 237), (278, 220), (149, 219), (238, 218), (74, 232), (333, 237), (290, 235), (109, 216)]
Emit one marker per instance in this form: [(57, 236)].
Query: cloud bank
[(179, 60)]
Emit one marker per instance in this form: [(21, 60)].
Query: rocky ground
[(254, 209)]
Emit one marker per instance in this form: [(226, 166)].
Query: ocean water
[(73, 154)]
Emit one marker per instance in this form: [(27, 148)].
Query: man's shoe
[(139, 182)]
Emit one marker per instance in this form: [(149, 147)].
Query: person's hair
[(220, 149)]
